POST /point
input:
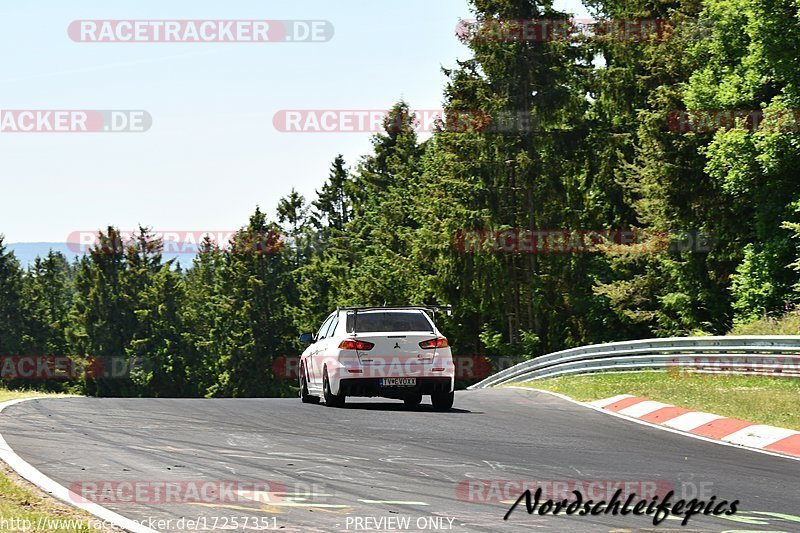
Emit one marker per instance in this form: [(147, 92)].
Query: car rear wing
[(448, 309), (433, 309)]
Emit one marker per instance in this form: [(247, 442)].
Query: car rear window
[(388, 321)]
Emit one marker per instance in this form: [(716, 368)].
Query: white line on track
[(393, 502), (30, 473)]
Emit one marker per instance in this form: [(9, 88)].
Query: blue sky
[(212, 153)]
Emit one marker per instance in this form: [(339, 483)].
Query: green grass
[(787, 324), (23, 507), (764, 400), (6, 394), (42, 513)]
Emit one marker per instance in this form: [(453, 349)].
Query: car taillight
[(441, 342), (352, 344)]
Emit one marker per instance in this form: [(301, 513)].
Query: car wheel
[(331, 400), (413, 401), (442, 401), (305, 397)]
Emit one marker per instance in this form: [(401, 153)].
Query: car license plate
[(398, 382)]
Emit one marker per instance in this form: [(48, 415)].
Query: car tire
[(331, 400), (442, 401), (412, 401), (305, 397)]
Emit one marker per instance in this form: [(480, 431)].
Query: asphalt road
[(352, 469)]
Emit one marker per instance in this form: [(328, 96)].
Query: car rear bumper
[(371, 387)]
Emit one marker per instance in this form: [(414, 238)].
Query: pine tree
[(158, 353), (48, 294), (253, 325), (12, 311), (334, 204)]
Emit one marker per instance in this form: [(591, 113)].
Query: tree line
[(595, 152)]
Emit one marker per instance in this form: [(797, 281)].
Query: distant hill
[(26, 252)]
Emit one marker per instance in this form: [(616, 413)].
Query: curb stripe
[(691, 420), (643, 408), (721, 428), (790, 445), (609, 401), (704, 425), (622, 404), (758, 436), (664, 414)]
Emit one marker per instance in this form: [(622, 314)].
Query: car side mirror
[(307, 338)]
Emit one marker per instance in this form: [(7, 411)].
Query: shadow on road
[(386, 406)]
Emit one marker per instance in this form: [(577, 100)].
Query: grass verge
[(764, 400), (786, 324), (24, 507)]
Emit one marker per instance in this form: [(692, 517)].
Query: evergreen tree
[(12, 311), (157, 354), (48, 295)]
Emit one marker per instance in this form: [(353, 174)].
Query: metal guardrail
[(750, 354)]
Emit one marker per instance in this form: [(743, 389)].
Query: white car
[(392, 352)]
